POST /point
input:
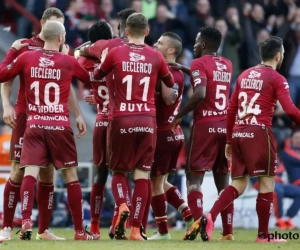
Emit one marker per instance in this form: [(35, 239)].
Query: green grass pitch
[(244, 240)]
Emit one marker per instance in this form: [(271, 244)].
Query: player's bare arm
[(9, 114), (169, 95), (195, 100), (181, 67)]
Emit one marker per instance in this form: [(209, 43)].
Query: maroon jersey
[(214, 73), (166, 114), (135, 69), (99, 87), (96, 48), (47, 79), (254, 98), (34, 43)]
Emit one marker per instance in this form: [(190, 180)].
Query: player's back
[(218, 72), (99, 86), (165, 114), (135, 72), (257, 87), (47, 77)]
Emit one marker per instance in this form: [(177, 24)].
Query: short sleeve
[(198, 73)]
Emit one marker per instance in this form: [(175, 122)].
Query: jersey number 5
[(221, 105)]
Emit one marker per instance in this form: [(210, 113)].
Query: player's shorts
[(253, 152), (99, 143), (132, 142), (206, 150), (167, 150), (17, 138), (55, 145)]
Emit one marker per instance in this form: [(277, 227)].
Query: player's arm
[(73, 103), (181, 67), (283, 95), (77, 51), (231, 116), (90, 50), (107, 59), (8, 69), (164, 71), (169, 95)]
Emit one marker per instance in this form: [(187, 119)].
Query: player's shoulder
[(87, 62), (100, 44), (226, 61)]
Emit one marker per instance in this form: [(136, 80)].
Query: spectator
[(291, 62), (164, 21), (5, 139), (114, 23), (106, 10), (199, 19), (178, 9), (257, 18), (291, 157), (230, 43), (76, 28), (136, 5)]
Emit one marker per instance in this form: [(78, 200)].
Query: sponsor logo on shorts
[(20, 145), (214, 113), (47, 127), (217, 130), (259, 171), (101, 124), (146, 167), (175, 138), (69, 163), (242, 135), (137, 130)]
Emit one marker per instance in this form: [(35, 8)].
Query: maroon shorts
[(167, 150), (253, 152), (132, 142), (99, 143), (17, 138), (51, 144), (207, 148)]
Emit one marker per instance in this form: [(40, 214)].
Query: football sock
[(119, 188), (159, 208), (75, 203), (139, 201), (196, 204), (116, 212), (226, 197), (96, 203), (27, 196), (264, 207), (147, 208), (227, 219), (128, 200), (174, 198), (44, 197), (10, 201)]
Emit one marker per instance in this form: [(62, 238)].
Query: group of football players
[(137, 91)]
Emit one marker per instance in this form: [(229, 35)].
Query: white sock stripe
[(162, 217), (182, 206)]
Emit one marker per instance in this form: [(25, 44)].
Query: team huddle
[(137, 91)]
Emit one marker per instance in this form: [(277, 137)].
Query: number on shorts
[(221, 104), (103, 93), (248, 108), (36, 87), (128, 79)]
